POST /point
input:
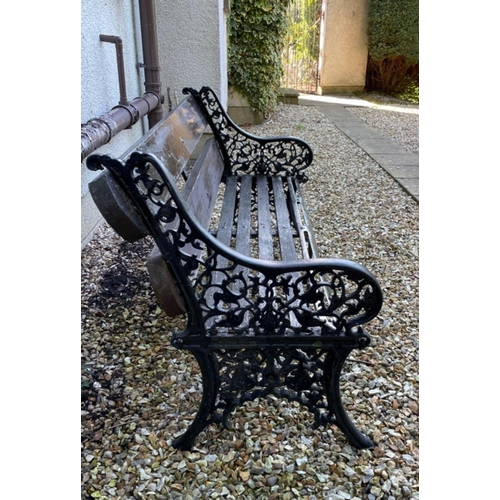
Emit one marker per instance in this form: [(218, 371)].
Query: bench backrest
[(172, 141)]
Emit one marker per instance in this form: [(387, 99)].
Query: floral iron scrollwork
[(246, 154)]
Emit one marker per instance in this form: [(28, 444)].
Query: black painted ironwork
[(246, 154), (256, 327)]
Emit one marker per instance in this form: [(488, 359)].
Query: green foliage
[(409, 93), (256, 32), (301, 51), (392, 44), (304, 27)]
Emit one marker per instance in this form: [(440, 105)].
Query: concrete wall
[(343, 46), (192, 51)]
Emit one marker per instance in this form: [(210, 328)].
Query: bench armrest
[(326, 295), (248, 154)]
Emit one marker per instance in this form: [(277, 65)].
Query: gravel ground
[(138, 392), (393, 118)]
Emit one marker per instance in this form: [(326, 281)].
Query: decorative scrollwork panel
[(247, 154), (293, 374)]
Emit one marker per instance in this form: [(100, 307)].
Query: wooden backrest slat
[(200, 191), (174, 138)]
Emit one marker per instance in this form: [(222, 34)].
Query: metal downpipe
[(151, 64), (99, 131)]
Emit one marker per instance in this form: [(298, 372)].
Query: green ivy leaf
[(256, 32)]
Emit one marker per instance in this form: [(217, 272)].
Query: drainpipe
[(151, 64), (99, 131), (117, 41)]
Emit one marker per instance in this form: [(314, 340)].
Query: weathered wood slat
[(224, 232), (287, 244), (244, 223), (200, 191), (225, 229), (264, 219), (174, 138)]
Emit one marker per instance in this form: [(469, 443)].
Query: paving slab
[(407, 158), (380, 145), (401, 164)]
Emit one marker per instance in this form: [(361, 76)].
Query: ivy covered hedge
[(256, 31), (393, 50)]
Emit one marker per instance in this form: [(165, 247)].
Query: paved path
[(394, 158)]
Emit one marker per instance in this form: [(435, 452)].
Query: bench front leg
[(334, 363), (204, 417)]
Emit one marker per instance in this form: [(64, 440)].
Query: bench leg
[(334, 362), (207, 406)]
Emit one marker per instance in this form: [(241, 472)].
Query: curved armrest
[(245, 153), (326, 295)]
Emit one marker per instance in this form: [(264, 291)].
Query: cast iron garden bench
[(236, 252)]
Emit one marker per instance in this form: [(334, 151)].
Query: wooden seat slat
[(243, 221), (264, 219), (286, 240)]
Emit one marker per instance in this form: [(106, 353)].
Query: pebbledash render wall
[(192, 46), (99, 82), (192, 53), (343, 46)]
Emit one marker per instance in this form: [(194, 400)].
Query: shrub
[(392, 45), (256, 31)]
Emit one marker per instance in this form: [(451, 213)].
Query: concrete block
[(288, 96), (240, 110)]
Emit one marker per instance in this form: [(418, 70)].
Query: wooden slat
[(174, 138), (244, 225), (224, 233), (225, 229), (285, 232), (200, 191), (299, 214), (283, 220), (264, 219)]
